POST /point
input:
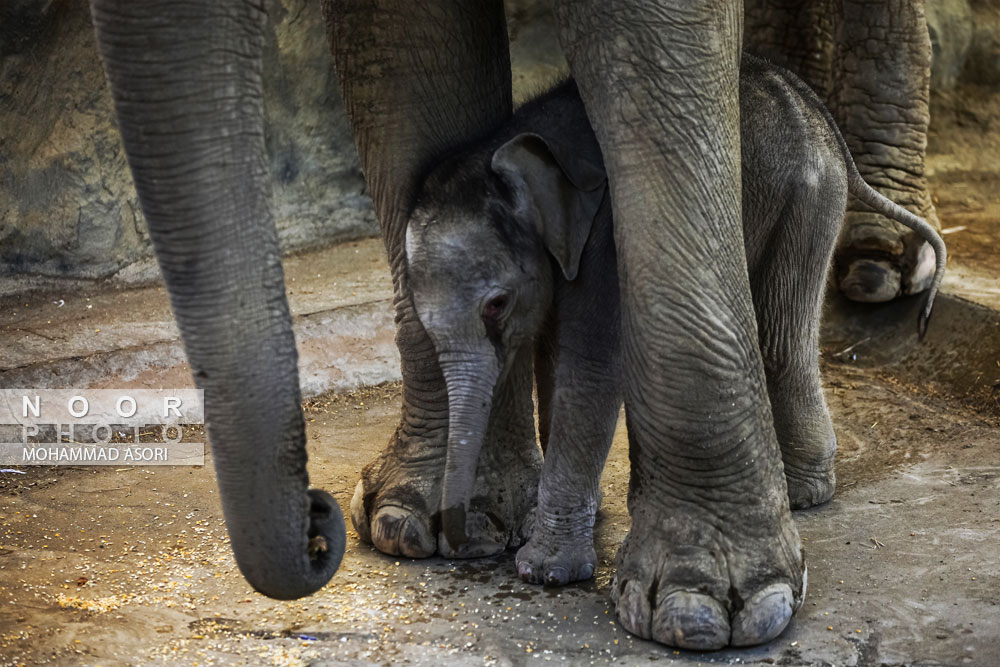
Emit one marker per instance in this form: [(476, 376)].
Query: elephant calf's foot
[(682, 582), (396, 504), (809, 487), (878, 260), (808, 446), (557, 561)]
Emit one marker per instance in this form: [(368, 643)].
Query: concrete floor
[(106, 566), (125, 566)]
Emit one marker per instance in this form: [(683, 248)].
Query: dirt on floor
[(963, 170), (132, 565)]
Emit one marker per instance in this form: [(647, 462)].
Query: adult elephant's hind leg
[(882, 104), (712, 557), (418, 79)]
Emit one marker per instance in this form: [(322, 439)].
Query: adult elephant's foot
[(808, 445), (396, 504), (878, 259), (689, 579)]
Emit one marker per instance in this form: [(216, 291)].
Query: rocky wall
[(67, 204)]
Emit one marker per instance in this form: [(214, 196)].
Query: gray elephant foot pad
[(557, 561), (688, 585), (396, 506), (877, 260)]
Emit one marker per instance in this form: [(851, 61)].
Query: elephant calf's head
[(489, 232)]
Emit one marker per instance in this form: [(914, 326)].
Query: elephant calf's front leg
[(582, 409), (561, 547), (396, 505)]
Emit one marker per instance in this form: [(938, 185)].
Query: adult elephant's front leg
[(418, 79), (712, 557)]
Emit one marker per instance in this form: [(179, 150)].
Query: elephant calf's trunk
[(470, 399)]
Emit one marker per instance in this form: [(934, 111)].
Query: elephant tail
[(890, 209), (857, 186)]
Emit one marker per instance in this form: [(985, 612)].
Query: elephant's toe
[(922, 275), (691, 621), (402, 532), (551, 562), (870, 281), (809, 488), (485, 536), (680, 618), (359, 517), (764, 616)]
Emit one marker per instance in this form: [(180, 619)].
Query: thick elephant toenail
[(870, 281), (923, 274), (632, 608), (400, 532), (557, 576), (691, 621), (359, 517), (524, 571), (764, 616)]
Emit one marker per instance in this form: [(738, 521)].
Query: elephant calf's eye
[(495, 308)]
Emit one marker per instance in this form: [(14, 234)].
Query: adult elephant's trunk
[(471, 379), (186, 79)]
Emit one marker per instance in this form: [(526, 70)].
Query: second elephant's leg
[(578, 410), (881, 102), (794, 34), (585, 403), (712, 557), (418, 79)]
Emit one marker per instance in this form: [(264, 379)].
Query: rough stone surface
[(67, 203), (982, 66), (949, 23)]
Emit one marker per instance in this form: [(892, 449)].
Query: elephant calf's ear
[(560, 191)]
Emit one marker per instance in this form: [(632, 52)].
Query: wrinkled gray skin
[(510, 252), (717, 558), (870, 60), (510, 248)]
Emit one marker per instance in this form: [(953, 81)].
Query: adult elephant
[(713, 557), (871, 61)]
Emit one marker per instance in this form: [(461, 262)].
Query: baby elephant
[(510, 249)]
